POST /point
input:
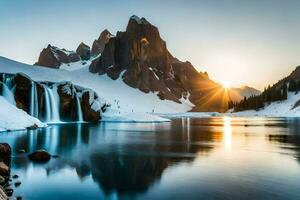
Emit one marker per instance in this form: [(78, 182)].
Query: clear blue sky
[(243, 42)]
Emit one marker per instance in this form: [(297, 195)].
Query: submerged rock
[(40, 156), (17, 184)]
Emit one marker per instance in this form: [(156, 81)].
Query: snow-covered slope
[(12, 118), (284, 108), (122, 98)]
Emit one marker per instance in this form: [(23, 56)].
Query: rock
[(2, 180), (17, 184), (15, 176), (32, 127), (67, 104), (99, 44), (89, 114), (19, 198), (55, 156), (8, 191), (40, 156), (4, 169), (3, 196), (53, 57), (5, 153), (22, 151), (84, 51)]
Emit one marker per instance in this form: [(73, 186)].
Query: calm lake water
[(216, 158)]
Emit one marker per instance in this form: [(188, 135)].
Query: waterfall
[(54, 103), (7, 93), (34, 106), (47, 103), (79, 109)]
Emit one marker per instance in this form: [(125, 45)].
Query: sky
[(241, 42)]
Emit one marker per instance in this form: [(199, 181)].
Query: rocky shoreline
[(5, 159), (10, 181)]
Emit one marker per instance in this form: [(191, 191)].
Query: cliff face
[(142, 57)]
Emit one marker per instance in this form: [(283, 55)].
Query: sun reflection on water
[(227, 133)]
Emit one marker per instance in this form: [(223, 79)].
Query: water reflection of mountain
[(127, 160), (289, 137)]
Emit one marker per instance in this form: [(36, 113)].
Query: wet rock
[(89, 114), (34, 126), (5, 153), (40, 156), (55, 156), (19, 198), (4, 169), (17, 184), (67, 104), (22, 151), (83, 51), (2, 180), (8, 191), (3, 196), (15, 176)]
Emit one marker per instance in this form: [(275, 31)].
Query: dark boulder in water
[(40, 156)]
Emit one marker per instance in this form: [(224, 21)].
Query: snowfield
[(12, 118), (127, 103), (275, 109)]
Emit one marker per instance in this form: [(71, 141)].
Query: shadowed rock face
[(99, 44), (147, 64), (53, 57), (84, 51)]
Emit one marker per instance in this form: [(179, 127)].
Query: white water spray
[(79, 109)]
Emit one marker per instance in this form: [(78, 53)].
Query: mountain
[(281, 99), (141, 55), (246, 91), (140, 58)]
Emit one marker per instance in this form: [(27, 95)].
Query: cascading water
[(34, 108), (8, 95), (7, 92), (79, 109), (54, 103), (47, 103)]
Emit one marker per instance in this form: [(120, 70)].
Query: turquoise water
[(216, 158)]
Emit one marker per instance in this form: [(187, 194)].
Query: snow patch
[(12, 118), (283, 108)]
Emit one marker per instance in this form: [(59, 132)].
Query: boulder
[(5, 153), (84, 51), (40, 156)]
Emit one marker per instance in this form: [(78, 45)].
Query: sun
[(226, 84)]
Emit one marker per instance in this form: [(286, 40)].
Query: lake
[(213, 158)]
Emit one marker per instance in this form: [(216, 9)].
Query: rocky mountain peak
[(53, 57), (99, 44), (84, 51)]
